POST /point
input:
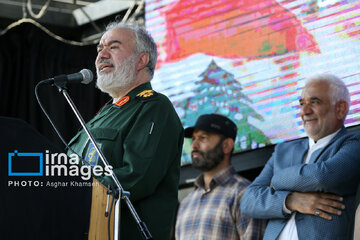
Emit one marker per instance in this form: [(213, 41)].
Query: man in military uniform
[(139, 132)]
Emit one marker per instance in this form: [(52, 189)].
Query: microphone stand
[(60, 83)]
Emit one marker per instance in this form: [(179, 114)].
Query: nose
[(103, 54), (195, 144), (306, 109)]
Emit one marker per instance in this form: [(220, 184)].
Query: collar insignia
[(122, 101)]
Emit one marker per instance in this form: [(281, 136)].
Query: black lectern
[(31, 211)]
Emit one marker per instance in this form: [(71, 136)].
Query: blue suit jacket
[(332, 169)]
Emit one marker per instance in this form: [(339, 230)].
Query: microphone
[(85, 76)]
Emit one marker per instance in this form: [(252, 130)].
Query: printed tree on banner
[(219, 92)]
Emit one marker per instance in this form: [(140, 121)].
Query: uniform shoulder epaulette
[(147, 95)]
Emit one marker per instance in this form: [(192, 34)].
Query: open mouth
[(105, 67)]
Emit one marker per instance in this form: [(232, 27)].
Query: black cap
[(214, 123)]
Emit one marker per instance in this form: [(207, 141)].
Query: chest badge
[(122, 101)]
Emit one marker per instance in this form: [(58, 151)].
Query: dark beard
[(210, 159)]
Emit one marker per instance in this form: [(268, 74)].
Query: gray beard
[(119, 80)]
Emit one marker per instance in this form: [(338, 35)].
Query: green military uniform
[(142, 139)]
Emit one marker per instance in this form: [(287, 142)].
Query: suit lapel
[(315, 156), (300, 150)]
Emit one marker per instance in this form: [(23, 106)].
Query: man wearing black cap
[(212, 210)]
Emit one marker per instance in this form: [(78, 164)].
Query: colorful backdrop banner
[(247, 59)]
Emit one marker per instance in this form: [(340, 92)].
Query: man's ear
[(143, 61), (340, 109), (228, 145)]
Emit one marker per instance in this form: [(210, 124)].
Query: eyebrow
[(109, 43), (311, 99)]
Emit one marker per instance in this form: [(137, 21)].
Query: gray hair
[(143, 42), (338, 89)]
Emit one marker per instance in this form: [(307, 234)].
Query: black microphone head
[(87, 76)]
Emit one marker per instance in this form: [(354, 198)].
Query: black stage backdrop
[(28, 55)]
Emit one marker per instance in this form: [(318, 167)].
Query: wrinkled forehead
[(318, 89), (123, 35)]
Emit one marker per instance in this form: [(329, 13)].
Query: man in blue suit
[(307, 188)]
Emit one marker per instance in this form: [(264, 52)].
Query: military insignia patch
[(146, 94), (122, 101), (92, 155)]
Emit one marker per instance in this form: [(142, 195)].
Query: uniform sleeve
[(247, 228), (338, 174), (153, 143), (262, 201)]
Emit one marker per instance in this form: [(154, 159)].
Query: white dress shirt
[(290, 232)]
